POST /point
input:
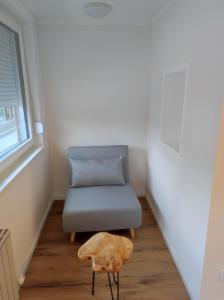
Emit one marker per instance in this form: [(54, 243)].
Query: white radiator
[(8, 283)]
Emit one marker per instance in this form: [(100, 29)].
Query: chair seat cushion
[(101, 208)]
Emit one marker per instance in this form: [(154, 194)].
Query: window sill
[(14, 170)]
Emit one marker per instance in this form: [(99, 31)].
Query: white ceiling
[(124, 12)]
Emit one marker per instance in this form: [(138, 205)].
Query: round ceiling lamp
[(97, 9)]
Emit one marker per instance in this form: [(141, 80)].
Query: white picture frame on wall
[(174, 94)]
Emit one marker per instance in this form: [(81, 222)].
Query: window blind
[(8, 67)]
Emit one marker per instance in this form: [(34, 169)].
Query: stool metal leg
[(111, 290), (116, 281), (118, 286), (93, 283)]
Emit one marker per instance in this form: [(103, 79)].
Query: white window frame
[(24, 146)]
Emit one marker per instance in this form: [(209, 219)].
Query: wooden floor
[(55, 273)]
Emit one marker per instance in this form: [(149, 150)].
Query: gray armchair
[(101, 208)]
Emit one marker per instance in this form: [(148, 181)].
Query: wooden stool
[(108, 253)]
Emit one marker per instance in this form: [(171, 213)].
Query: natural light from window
[(13, 114)]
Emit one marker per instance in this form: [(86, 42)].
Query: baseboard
[(59, 197), (140, 195), (148, 197), (21, 277)]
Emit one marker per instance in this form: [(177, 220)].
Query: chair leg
[(132, 232), (72, 238)]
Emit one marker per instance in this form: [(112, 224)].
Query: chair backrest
[(101, 152)]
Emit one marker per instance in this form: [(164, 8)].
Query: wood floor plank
[(56, 273)]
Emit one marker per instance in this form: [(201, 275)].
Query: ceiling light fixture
[(97, 9)]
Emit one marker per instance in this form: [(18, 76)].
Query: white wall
[(96, 88), (23, 206), (24, 202), (189, 32)]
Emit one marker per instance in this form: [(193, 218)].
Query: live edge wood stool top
[(107, 251)]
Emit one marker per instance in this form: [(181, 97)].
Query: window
[(14, 128)]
